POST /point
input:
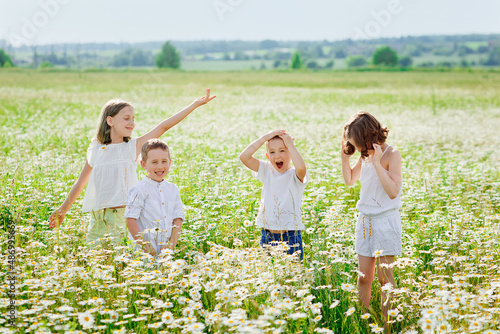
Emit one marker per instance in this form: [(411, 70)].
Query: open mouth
[(279, 164), (159, 173)]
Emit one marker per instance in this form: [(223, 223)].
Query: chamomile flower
[(167, 317), (393, 313), (86, 320), (366, 316), (378, 253), (350, 311)]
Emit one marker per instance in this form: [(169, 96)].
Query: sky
[(36, 22)]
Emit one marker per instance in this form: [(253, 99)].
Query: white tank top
[(373, 199)]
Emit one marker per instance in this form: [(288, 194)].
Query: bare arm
[(136, 234), (351, 175), (57, 217), (176, 232), (391, 178), (170, 122), (247, 155), (298, 161)]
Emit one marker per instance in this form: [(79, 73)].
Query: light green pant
[(107, 223)]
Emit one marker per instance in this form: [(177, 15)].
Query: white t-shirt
[(155, 205), (114, 172), (281, 198)]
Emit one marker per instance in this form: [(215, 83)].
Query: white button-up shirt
[(155, 205)]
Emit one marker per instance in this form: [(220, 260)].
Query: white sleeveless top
[(114, 172), (373, 199)]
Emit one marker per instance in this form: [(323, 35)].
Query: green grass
[(445, 125)]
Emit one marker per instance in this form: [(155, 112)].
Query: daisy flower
[(350, 311), (167, 317), (86, 319)]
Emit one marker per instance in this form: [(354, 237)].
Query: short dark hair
[(151, 145), (364, 129)]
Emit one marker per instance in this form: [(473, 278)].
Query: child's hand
[(342, 151), (204, 100), (377, 153), (56, 218), (287, 139), (273, 134)]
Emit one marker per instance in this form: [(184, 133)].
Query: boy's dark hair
[(151, 145), (364, 130)]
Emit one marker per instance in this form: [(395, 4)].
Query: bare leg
[(385, 276), (367, 266)]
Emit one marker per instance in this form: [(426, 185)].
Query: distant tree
[(413, 50), (405, 61), (263, 66), (296, 61), (5, 60), (312, 65), (319, 51), (445, 64), (340, 54), (240, 55), (277, 63), (139, 58), (279, 55), (426, 64), (385, 56), (168, 57), (443, 51), (464, 63), (463, 50), (493, 58), (482, 49), (121, 59), (268, 44), (330, 63), (355, 61)]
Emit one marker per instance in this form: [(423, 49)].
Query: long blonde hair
[(111, 108)]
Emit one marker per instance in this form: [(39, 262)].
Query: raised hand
[(273, 134), (205, 99), (287, 139), (377, 153), (342, 150)]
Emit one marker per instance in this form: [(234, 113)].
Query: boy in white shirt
[(280, 212), (154, 207)]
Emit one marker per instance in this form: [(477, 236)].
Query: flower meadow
[(218, 279)]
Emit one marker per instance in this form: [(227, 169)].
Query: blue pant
[(292, 238)]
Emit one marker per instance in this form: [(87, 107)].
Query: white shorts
[(381, 232)]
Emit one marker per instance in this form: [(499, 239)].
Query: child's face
[(123, 123), (157, 165), (278, 155)]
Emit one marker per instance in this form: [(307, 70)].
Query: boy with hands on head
[(154, 208), (280, 211)]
